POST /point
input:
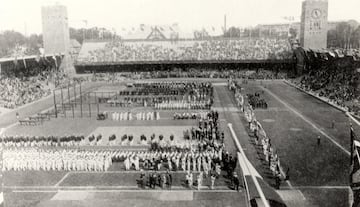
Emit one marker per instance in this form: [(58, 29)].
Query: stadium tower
[(313, 29), (56, 35)]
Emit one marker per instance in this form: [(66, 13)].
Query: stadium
[(160, 120)]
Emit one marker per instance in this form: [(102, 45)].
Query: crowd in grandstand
[(16, 92), (260, 73), (337, 81), (26, 85), (190, 50)]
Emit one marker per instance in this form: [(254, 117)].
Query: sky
[(25, 15)]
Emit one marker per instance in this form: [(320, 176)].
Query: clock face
[(316, 13)]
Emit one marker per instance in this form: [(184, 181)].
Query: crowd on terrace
[(17, 90), (338, 81), (189, 50), (260, 73)]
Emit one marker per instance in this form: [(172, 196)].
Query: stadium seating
[(336, 80), (185, 50)]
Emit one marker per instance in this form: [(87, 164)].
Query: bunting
[(24, 62), (355, 168)]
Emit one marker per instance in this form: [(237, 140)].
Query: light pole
[(85, 23)]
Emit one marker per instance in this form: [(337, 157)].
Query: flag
[(56, 64), (355, 168), (37, 58), (24, 62), (1, 199), (15, 62), (261, 130)]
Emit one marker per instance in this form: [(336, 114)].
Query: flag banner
[(355, 160), (56, 64), (15, 62), (355, 165), (355, 168), (37, 58), (24, 62), (1, 199), (261, 131)]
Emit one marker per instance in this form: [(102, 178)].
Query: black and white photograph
[(180, 103)]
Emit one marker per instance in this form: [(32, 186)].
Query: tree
[(345, 35), (11, 40), (201, 34), (92, 33), (293, 32), (232, 32)]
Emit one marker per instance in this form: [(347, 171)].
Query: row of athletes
[(159, 95), (188, 161), (174, 85), (236, 88), (178, 105), (55, 160), (128, 116), (187, 115), (41, 141)]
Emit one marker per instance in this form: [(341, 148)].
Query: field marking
[(27, 189), (352, 118), (246, 134), (35, 191), (85, 187), (307, 121), (322, 187), (129, 172), (287, 181), (62, 179), (8, 127)]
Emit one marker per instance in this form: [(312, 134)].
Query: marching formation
[(256, 101), (128, 116), (193, 115), (172, 161), (166, 95), (264, 141), (41, 141), (21, 159), (180, 105)]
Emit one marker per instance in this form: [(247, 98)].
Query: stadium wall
[(276, 65)]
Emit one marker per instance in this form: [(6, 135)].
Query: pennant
[(1, 199), (15, 61), (355, 168), (37, 58), (56, 64), (24, 62)]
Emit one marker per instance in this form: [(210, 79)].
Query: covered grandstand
[(130, 55)]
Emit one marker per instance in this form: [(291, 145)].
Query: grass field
[(293, 121), (38, 188)]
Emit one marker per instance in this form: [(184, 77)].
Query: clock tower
[(313, 29)]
